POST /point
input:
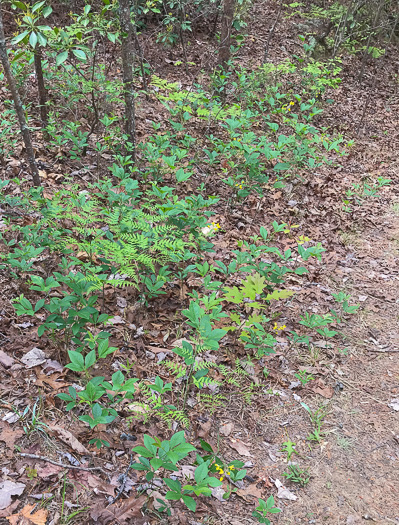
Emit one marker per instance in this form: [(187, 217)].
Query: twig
[(58, 464), (122, 479), (387, 351)]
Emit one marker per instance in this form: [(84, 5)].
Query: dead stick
[(42, 458), (383, 351)]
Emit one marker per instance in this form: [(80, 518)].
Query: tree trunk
[(225, 36), (127, 64), (18, 106), (41, 89)]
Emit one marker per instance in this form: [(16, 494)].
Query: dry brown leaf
[(24, 516), (68, 438), (9, 435), (8, 489), (131, 508), (319, 387), (240, 448), (250, 492)]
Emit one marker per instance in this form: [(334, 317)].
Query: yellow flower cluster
[(275, 327), (221, 471), (288, 108), (238, 140), (215, 226), (240, 185)]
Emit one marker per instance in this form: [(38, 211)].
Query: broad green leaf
[(81, 55), (20, 37), (61, 58), (33, 39)]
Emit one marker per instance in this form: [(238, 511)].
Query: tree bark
[(18, 105), (41, 89), (127, 65), (225, 36)]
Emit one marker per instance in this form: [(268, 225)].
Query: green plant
[(316, 419), (362, 191), (289, 448), (157, 457), (304, 377), (264, 508), (297, 475)]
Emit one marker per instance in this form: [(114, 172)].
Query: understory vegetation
[(128, 219)]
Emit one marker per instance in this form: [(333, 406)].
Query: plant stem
[(18, 106)]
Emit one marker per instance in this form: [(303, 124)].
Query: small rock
[(149, 354)]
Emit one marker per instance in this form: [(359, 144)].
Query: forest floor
[(354, 470)]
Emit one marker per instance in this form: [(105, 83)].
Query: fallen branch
[(58, 464)]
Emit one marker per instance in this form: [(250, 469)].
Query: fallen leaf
[(53, 383), (394, 404), (9, 435), (34, 357), (204, 430), (226, 429), (284, 493), (240, 448), (218, 492), (24, 516), (319, 387), (6, 512), (47, 470), (8, 489), (252, 490), (6, 360), (131, 508), (69, 439)]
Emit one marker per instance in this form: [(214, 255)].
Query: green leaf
[(39, 305), (33, 39), (181, 176), (20, 37), (81, 55), (177, 439), (47, 11), (61, 58), (38, 5), (173, 484), (279, 294), (173, 495), (201, 472), (90, 359), (20, 5), (190, 503), (143, 451), (282, 166)]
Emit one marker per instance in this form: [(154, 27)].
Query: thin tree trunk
[(271, 33), (371, 35), (41, 89), (127, 64), (225, 36), (18, 105)]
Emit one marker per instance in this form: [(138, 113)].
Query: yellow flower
[(221, 479), (240, 186), (292, 103), (231, 467), (228, 473)]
